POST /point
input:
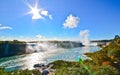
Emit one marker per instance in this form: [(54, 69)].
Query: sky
[(59, 19)]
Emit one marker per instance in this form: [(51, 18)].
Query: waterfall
[(48, 46), (6, 48), (40, 47)]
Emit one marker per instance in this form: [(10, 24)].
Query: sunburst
[(35, 11)]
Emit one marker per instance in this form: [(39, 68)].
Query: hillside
[(109, 55)]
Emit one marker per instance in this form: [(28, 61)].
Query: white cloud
[(4, 27), (85, 37), (37, 16), (84, 33), (50, 16), (40, 36), (44, 12), (41, 15), (71, 21), (24, 38), (37, 13)]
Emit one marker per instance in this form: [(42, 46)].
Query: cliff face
[(17, 48), (58, 44), (68, 44), (8, 48)]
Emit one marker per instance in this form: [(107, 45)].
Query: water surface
[(26, 61)]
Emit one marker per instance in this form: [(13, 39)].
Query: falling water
[(40, 47), (6, 48)]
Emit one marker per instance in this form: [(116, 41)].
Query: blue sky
[(59, 19)]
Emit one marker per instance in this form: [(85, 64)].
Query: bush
[(107, 70), (19, 72), (73, 71)]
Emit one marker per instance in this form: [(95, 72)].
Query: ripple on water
[(28, 60)]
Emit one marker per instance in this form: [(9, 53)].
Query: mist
[(40, 47), (84, 35)]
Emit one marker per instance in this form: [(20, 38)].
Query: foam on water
[(46, 53)]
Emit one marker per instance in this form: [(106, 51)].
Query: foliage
[(88, 68), (107, 70), (19, 72), (72, 71), (104, 55), (60, 63), (107, 59)]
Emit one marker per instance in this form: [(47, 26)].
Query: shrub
[(107, 70)]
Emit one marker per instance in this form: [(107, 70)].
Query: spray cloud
[(85, 37)]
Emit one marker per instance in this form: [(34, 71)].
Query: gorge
[(9, 48)]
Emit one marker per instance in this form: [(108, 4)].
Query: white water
[(45, 53), (41, 47)]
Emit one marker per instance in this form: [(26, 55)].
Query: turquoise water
[(27, 61)]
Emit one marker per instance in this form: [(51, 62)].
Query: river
[(26, 61)]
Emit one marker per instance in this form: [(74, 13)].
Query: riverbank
[(66, 68)]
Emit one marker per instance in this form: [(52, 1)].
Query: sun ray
[(36, 4), (35, 11)]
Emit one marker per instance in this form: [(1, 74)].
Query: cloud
[(45, 13), (71, 21), (85, 37), (84, 33), (42, 14), (4, 27), (38, 13), (40, 36), (37, 16), (50, 16)]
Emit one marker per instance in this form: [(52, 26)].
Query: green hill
[(108, 56), (110, 53)]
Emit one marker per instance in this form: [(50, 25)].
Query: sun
[(35, 11)]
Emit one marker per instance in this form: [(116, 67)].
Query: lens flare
[(35, 11)]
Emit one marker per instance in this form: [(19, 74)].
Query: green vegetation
[(20, 72), (108, 56), (103, 62), (110, 53), (87, 68), (12, 42)]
